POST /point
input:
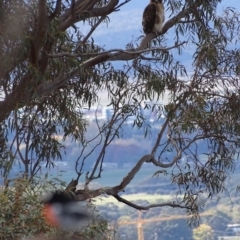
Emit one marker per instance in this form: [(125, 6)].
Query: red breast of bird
[(66, 214)]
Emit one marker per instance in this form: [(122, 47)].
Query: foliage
[(21, 206), (203, 232), (49, 71), (21, 213)]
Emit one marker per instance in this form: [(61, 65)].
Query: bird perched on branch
[(153, 17), (64, 212)]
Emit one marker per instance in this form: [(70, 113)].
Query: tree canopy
[(49, 70)]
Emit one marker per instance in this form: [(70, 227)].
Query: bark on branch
[(40, 31), (66, 54), (84, 10), (85, 194)]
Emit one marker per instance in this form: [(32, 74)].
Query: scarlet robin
[(62, 211)]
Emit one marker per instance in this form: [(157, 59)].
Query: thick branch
[(67, 54), (82, 12), (40, 31), (134, 171), (82, 195)]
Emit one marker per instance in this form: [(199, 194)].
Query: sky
[(126, 25)]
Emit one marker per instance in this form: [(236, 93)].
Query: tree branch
[(89, 34), (138, 207), (40, 31), (115, 51), (57, 10), (85, 194), (121, 4), (82, 12), (135, 170)]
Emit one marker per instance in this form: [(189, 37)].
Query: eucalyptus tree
[(49, 70)]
